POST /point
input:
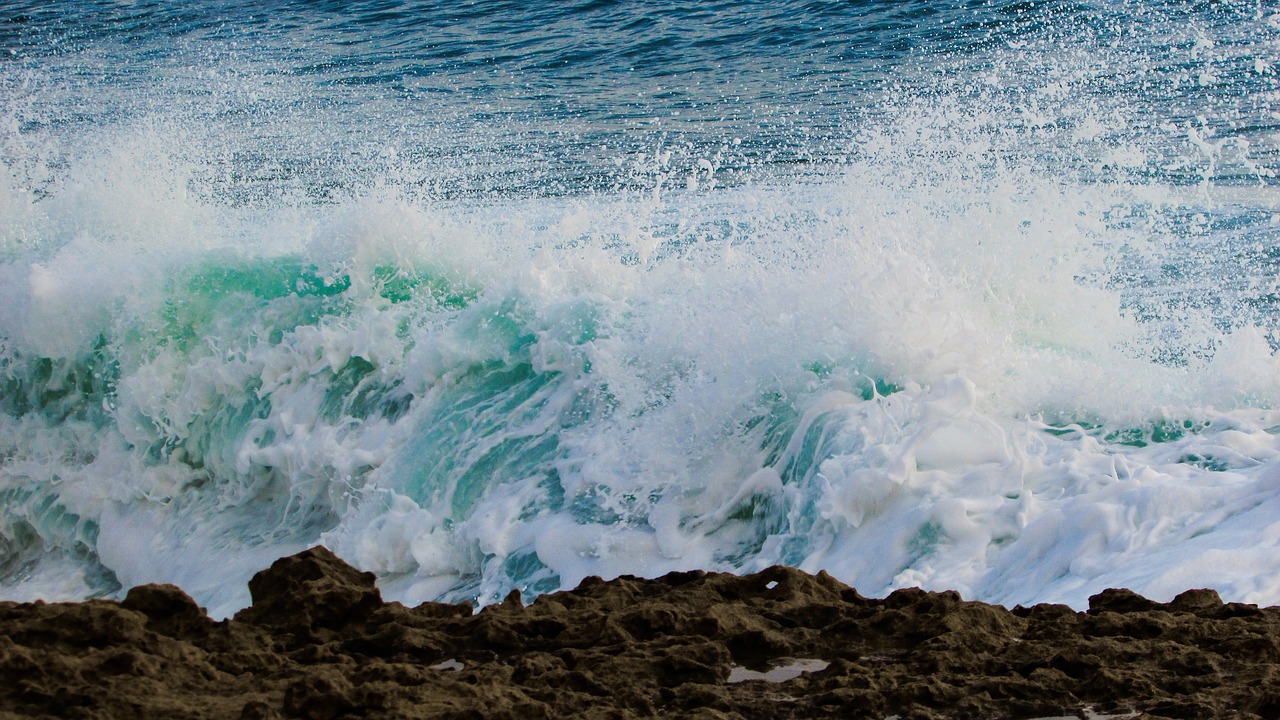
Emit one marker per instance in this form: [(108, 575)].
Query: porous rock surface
[(320, 643)]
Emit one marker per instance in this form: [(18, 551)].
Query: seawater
[(489, 295)]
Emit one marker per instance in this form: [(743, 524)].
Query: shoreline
[(319, 643)]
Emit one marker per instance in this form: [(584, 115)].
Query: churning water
[(971, 295)]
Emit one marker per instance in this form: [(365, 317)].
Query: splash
[(1017, 341)]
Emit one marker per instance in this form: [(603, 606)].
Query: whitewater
[(979, 297)]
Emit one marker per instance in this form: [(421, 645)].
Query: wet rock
[(322, 694), (258, 710), (758, 647), (647, 623), (310, 591), (1197, 601), (1120, 601), (319, 643), (703, 662), (169, 610)]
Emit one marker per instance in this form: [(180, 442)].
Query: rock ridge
[(320, 643)]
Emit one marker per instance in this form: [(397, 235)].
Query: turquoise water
[(959, 295)]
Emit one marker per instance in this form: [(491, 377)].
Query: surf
[(993, 333)]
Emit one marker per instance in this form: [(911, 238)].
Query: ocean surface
[(977, 295)]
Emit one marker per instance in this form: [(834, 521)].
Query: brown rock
[(169, 610), (310, 591), (319, 642)]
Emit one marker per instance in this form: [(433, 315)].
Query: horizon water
[(979, 296)]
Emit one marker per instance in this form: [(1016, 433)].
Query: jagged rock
[(169, 610), (310, 591), (1200, 600), (319, 643), (1120, 601)]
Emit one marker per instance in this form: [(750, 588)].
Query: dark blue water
[(548, 99)]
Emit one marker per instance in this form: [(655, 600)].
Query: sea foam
[(995, 347)]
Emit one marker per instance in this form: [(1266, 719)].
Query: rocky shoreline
[(319, 642)]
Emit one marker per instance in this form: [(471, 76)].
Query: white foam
[(920, 369)]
